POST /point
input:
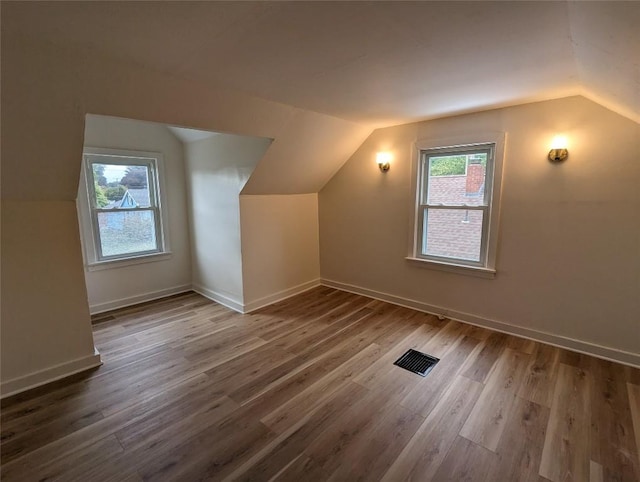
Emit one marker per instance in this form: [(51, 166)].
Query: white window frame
[(88, 210), (486, 267)]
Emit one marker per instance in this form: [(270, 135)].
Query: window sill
[(124, 262), (476, 271)]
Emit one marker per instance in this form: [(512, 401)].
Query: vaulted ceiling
[(375, 63)]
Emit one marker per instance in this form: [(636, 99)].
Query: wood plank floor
[(306, 389)]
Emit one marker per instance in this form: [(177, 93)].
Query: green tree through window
[(448, 166)]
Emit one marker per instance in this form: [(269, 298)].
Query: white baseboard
[(48, 375), (224, 300), (280, 295), (243, 308), (599, 351), (134, 300)]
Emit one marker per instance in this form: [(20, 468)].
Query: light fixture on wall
[(558, 152), (383, 159)]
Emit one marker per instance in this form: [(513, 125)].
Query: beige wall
[(44, 302), (122, 285), (569, 243), (217, 170), (46, 92), (280, 253)]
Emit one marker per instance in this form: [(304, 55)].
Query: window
[(456, 204), (124, 208)]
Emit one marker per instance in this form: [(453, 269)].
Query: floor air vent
[(417, 362)]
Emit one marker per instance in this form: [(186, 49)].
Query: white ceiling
[(378, 63)]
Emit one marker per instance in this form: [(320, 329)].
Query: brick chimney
[(475, 178)]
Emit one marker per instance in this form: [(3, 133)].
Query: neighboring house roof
[(132, 198), (127, 201), (140, 196)]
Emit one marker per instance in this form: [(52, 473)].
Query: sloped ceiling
[(377, 63), (190, 135), (316, 77)]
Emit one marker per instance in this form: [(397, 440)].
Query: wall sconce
[(558, 152), (383, 159)]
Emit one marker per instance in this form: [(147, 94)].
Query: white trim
[(280, 295), (219, 298), (88, 228), (48, 375), (499, 140), (123, 262), (134, 300), (209, 294), (599, 351), (453, 268)]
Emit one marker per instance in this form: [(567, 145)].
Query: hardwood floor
[(306, 390)]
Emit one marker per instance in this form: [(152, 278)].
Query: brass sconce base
[(558, 155), (384, 167)]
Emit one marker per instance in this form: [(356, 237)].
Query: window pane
[(120, 186), (127, 232), (457, 179), (452, 233)]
